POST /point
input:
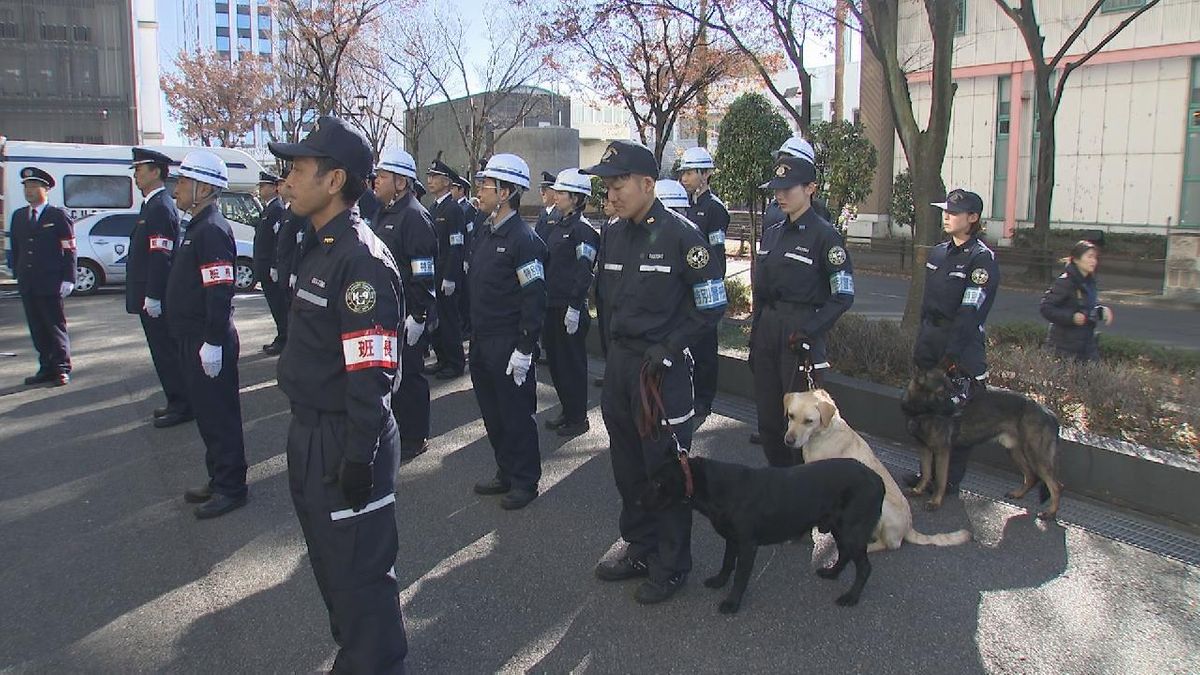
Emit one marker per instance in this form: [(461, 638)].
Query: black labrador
[(752, 507)]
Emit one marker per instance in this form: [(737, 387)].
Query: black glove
[(657, 357), (356, 480)]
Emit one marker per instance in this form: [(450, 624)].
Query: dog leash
[(653, 412), (803, 365)]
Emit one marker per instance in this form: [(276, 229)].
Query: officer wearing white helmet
[(572, 245), (199, 311), (508, 304), (673, 195), (407, 229), (710, 215)]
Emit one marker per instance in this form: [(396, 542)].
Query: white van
[(97, 178)]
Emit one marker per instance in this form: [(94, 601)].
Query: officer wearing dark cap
[(961, 280), (368, 204), (461, 192), (419, 189), (450, 224), (338, 369), (405, 226), (662, 291), (291, 232), (152, 247), (43, 243), (803, 282), (549, 215), (266, 270)]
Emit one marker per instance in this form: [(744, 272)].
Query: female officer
[(802, 283), (1072, 306), (571, 248)]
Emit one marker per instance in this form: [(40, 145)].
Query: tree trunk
[(1042, 271), (927, 187), (805, 101)]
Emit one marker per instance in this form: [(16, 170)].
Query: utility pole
[(839, 66), (702, 98)]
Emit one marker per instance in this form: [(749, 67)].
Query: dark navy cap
[(34, 173), (623, 158), (265, 177), (961, 201), (148, 156), (419, 188), (331, 137), (548, 179), (463, 183), (439, 168), (789, 172)]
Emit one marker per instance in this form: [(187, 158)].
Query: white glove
[(210, 359), (292, 281), (412, 330), (518, 366), (65, 288), (274, 274), (152, 307), (447, 287), (571, 320)]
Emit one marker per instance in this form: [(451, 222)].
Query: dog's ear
[(787, 401), (827, 412)]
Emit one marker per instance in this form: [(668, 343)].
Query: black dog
[(1026, 428), (751, 507)]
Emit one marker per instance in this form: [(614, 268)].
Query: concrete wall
[(544, 149)]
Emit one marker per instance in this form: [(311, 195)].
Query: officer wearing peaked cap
[(662, 291), (460, 190), (549, 214), (450, 224), (405, 226), (796, 146), (338, 369), (266, 268), (199, 310), (152, 247), (43, 243)]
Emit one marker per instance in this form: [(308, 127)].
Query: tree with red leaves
[(217, 101)]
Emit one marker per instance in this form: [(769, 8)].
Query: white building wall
[(145, 55)]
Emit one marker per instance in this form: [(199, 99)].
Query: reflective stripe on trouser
[(567, 358), (48, 329), (165, 355), (218, 410), (352, 558), (507, 411), (447, 339), (774, 365), (704, 353), (410, 403), (661, 538)]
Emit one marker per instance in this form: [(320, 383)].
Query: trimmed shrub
[(738, 292)]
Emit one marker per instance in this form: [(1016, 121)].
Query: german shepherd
[(1026, 428), (752, 507)]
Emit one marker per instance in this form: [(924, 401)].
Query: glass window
[(222, 20), (85, 79), (81, 33), (9, 28), (243, 21), (1120, 5), (264, 20), (97, 192), (223, 43), (119, 225), (264, 47), (222, 32), (240, 207), (243, 44), (222, 8), (243, 32), (961, 26)]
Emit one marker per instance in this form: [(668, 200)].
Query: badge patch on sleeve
[(716, 238), (161, 244), (836, 256), (68, 243), (456, 239), (585, 250), (710, 294), (841, 282), (530, 272), (422, 267), (360, 297), (697, 257), (216, 273), (979, 276), (373, 348)]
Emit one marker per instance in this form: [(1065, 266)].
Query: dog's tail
[(946, 539)]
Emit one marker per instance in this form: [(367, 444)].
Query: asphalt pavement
[(104, 569)]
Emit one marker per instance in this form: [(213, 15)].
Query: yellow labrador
[(815, 427)]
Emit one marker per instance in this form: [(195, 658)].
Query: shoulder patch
[(979, 276), (360, 297), (836, 256), (697, 257)]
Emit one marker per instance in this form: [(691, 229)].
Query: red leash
[(654, 411)]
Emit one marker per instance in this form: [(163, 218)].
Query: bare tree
[(294, 107), (1049, 93)]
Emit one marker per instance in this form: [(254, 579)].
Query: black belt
[(311, 417)]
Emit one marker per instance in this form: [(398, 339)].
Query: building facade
[(79, 72), (1128, 127)]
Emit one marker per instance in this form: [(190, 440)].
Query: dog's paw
[(847, 600), (716, 581), (828, 572), (1015, 494), (933, 505), (1048, 515), (729, 606), (914, 491)]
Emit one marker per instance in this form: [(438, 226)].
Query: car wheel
[(244, 275), (88, 278)]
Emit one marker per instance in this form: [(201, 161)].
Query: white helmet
[(796, 146), (672, 194), (570, 180), (696, 158), (204, 167), (508, 168), (398, 162)]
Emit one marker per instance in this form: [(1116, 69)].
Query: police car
[(102, 245)]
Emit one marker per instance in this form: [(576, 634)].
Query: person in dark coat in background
[(265, 269), (1072, 306)]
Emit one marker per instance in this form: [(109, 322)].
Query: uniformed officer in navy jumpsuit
[(709, 214), (152, 247), (606, 227), (662, 291), (450, 224), (796, 146), (508, 284), (803, 282), (405, 226), (199, 310), (42, 238), (549, 214), (461, 191), (961, 280), (572, 245), (266, 234), (291, 233), (339, 369)]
